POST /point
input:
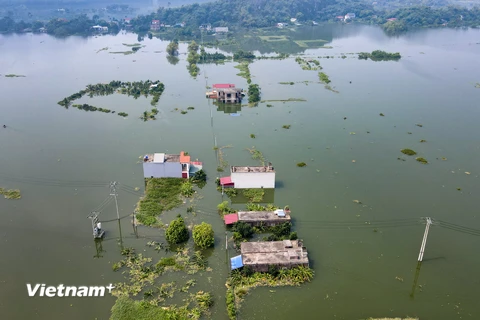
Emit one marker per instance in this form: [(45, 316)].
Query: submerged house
[(259, 218), (250, 177), (226, 93), (261, 255), (162, 165)]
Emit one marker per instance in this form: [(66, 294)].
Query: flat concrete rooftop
[(252, 169), (262, 216), (273, 252), (165, 157)]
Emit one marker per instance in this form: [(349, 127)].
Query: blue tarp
[(234, 114), (236, 262)]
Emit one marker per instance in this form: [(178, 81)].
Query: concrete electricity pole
[(424, 241), (113, 192)]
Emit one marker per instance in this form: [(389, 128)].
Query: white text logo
[(41, 290)]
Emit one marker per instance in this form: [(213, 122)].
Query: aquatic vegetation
[(308, 64), (286, 126), (444, 159), (142, 277), (269, 105), (252, 136), (323, 78), (421, 160), (230, 192), (132, 44), (123, 114), (408, 152), (126, 53), (161, 194), (419, 125), (14, 76), (12, 194), (135, 89), (289, 83), (149, 115), (221, 160), (203, 235), (423, 140), (459, 189), (477, 85), (254, 195), (240, 282), (379, 55), (87, 107), (243, 55), (190, 108), (183, 112), (177, 231), (285, 100), (257, 155), (382, 115), (301, 164), (244, 70)]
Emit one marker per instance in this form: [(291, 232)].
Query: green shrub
[(177, 231), (203, 235)]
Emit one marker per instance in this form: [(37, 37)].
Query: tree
[(244, 229), (177, 231), (172, 48), (193, 46), (203, 235)]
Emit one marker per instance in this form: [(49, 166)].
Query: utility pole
[(134, 224), (113, 192), (97, 232), (424, 241)]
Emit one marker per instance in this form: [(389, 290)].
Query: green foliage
[(204, 299), (301, 164), (286, 126), (12, 194), (203, 235), (224, 208), (254, 195), (135, 89), (244, 229), (177, 231), (172, 48), (257, 207), (379, 55), (161, 194), (243, 55), (230, 192), (422, 160), (187, 189), (123, 114), (408, 152), (280, 232), (199, 176), (231, 307), (323, 78), (252, 136), (253, 93), (126, 308), (206, 57)]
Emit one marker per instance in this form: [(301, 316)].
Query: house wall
[(244, 180), (162, 170)]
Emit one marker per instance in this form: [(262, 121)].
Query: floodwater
[(364, 257)]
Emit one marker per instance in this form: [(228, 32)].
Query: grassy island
[(379, 55), (134, 89)]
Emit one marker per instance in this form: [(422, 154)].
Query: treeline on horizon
[(266, 13)]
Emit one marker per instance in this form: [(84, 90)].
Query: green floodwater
[(47, 152)]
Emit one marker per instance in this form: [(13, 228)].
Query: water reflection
[(228, 107)]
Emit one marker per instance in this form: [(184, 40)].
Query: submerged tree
[(172, 48), (177, 231), (203, 235)]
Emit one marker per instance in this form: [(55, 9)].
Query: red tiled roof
[(223, 85), (230, 218), (198, 163), (226, 180)]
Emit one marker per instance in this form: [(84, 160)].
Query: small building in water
[(162, 165), (259, 218), (284, 254), (226, 93), (250, 177)]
